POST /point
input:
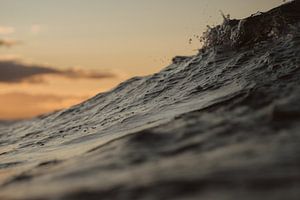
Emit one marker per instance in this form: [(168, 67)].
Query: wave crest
[(256, 28)]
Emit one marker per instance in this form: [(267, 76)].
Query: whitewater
[(222, 124)]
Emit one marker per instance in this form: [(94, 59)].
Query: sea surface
[(222, 124)]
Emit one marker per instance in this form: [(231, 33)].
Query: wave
[(256, 28), (222, 124)]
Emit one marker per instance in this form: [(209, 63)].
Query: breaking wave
[(256, 28), (222, 124)]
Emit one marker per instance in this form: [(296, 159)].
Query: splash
[(256, 28)]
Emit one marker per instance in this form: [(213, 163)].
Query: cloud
[(6, 30), (12, 71), (19, 105), (35, 29), (9, 42), (79, 73), (9, 57)]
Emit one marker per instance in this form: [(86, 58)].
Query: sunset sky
[(56, 53)]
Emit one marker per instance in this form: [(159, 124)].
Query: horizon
[(57, 54)]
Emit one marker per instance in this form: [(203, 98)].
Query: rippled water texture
[(223, 124)]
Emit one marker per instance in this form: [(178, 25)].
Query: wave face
[(223, 124)]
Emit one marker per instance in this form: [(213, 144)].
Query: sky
[(57, 53)]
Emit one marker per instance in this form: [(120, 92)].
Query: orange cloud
[(35, 29), (6, 30), (9, 42), (23, 105)]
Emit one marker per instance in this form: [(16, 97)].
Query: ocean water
[(222, 124)]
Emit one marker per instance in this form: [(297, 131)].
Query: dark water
[(223, 124)]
